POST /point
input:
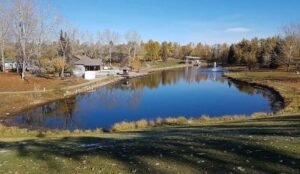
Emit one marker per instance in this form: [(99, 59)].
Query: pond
[(189, 92)]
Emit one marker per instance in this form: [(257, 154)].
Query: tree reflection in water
[(134, 99), (61, 110)]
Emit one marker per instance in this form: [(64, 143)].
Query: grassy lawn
[(269, 145), (12, 82), (165, 64)]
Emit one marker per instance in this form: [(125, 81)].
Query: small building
[(196, 61), (84, 65), (10, 65)]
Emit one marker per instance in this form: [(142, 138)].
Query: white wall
[(89, 75), (78, 70)]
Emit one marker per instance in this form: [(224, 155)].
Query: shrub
[(171, 121), (151, 123), (232, 117), (141, 123), (159, 121), (123, 126), (98, 130), (259, 115), (204, 118), (77, 131), (87, 131), (182, 120)]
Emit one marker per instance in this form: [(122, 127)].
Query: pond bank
[(277, 100), (16, 102), (129, 101), (268, 145), (287, 85)]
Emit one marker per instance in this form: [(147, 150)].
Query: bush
[(159, 121), (171, 121), (141, 123), (182, 120), (204, 118), (87, 131), (259, 115), (98, 130), (123, 126), (232, 117), (151, 123)]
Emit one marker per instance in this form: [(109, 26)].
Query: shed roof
[(87, 61), (192, 58)]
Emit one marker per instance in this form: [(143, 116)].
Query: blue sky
[(183, 21)]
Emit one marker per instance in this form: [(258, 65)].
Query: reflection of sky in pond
[(180, 92)]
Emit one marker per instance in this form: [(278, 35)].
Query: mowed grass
[(165, 64), (262, 145)]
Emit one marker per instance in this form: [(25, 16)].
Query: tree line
[(39, 38)]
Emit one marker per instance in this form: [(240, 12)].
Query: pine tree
[(231, 55), (276, 55)]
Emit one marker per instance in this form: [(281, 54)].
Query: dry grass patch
[(124, 126), (12, 82), (141, 124)]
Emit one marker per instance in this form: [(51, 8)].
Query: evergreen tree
[(277, 54), (231, 55)]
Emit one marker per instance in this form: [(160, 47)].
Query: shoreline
[(273, 91), (272, 94), (70, 91), (288, 92)]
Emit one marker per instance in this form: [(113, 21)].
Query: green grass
[(263, 145), (165, 64)]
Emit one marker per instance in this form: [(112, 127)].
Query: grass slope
[(266, 145)]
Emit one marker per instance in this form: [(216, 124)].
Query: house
[(85, 66)]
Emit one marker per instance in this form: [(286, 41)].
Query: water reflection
[(61, 110), (190, 92)]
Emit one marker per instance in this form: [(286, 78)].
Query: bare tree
[(133, 40), (65, 48), (110, 38), (291, 34), (46, 24), (4, 28), (24, 25), (88, 45)]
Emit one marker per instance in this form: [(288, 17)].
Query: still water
[(189, 92)]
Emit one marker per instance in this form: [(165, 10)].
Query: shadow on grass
[(212, 149)]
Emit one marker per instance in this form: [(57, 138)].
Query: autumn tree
[(165, 50), (152, 49), (187, 50), (133, 41)]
